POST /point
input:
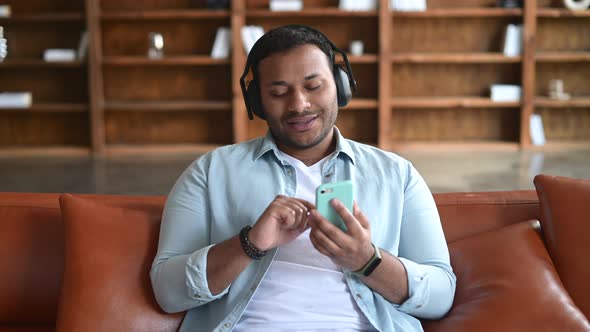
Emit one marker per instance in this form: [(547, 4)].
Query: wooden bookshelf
[(57, 121), (423, 82)]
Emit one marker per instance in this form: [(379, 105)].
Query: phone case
[(326, 192)]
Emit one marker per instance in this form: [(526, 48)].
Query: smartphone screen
[(328, 191)]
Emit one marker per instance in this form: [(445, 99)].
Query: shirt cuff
[(418, 288), (196, 277)]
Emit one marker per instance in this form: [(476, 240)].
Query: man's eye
[(315, 87), (277, 94)]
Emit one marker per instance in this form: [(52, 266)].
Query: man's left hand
[(352, 249)]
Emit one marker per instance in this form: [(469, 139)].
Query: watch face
[(372, 265)]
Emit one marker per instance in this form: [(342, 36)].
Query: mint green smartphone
[(326, 192)]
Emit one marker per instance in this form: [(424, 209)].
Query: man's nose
[(299, 101)]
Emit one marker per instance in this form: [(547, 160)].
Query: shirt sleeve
[(424, 253), (179, 270)]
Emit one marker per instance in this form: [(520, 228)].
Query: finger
[(308, 205), (360, 216), (352, 224), (319, 246), (332, 244), (299, 212), (331, 230)]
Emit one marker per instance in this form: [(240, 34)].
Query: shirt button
[(227, 325), (328, 175), (359, 296), (418, 306), (198, 295), (289, 172)]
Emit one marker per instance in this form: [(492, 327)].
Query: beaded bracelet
[(248, 247)]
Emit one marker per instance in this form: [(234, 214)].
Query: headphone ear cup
[(254, 103), (343, 90)]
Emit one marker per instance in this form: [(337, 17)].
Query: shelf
[(38, 63), (126, 150), (454, 146), (165, 106), (559, 12), (361, 59), (312, 12), (51, 108), (44, 17), (450, 102), (562, 145), (360, 103), (454, 58), (461, 12), (552, 103), (562, 57), (34, 151), (172, 60), (165, 14)]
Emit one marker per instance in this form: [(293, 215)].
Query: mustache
[(294, 114)]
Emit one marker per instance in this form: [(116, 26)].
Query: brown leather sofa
[(81, 262)]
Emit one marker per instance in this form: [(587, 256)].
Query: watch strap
[(368, 268)]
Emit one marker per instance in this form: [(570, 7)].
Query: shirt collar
[(268, 144)]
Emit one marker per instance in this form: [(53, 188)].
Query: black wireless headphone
[(345, 83)]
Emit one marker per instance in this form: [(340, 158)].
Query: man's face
[(298, 95)]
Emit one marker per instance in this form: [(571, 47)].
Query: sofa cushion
[(108, 254), (565, 219), (507, 282)]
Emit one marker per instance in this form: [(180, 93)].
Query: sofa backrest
[(465, 214), (32, 248)]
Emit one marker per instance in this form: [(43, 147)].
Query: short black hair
[(287, 37)]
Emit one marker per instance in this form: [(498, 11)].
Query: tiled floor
[(152, 175)]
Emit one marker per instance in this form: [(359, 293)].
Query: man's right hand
[(282, 222)]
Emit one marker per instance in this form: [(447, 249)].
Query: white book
[(358, 5), (16, 99), (250, 34), (222, 43), (83, 46), (536, 129), (408, 5), (505, 92), (286, 5), (59, 55), (513, 40), (5, 11)]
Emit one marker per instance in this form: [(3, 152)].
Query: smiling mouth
[(302, 123)]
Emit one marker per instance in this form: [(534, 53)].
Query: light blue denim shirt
[(230, 187)]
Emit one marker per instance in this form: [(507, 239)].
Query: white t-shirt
[(303, 290)]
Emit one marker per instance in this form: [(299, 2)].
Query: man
[(293, 270)]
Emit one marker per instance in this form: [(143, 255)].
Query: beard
[(327, 119)]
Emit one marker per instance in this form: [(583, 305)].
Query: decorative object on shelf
[(505, 92), (356, 47), (5, 11), (358, 5), (59, 55), (222, 43), (218, 4), (3, 45), (16, 99), (408, 5), (536, 129), (250, 34), (156, 45), (286, 5), (577, 4), (556, 90), (83, 45), (513, 40), (509, 3)]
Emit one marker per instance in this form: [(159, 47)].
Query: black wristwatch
[(371, 264)]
